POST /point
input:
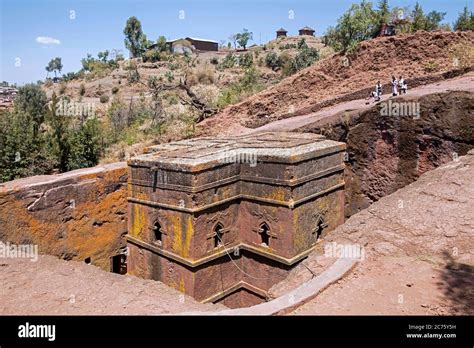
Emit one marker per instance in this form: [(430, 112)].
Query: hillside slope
[(420, 58)]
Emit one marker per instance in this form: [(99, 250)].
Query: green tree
[(48, 68), (31, 101), (103, 56), (357, 24), (243, 38), (16, 145), (55, 65), (161, 44), (59, 144), (465, 20), (272, 61), (383, 11), (306, 57), (87, 62), (85, 145), (135, 39), (433, 20), (22, 147), (418, 18), (429, 22)]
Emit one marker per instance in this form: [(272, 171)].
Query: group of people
[(399, 87)]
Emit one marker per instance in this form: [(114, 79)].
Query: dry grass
[(204, 74)]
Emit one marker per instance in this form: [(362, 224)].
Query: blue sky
[(98, 25)]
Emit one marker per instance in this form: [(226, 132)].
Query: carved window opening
[(319, 228), (265, 234), (118, 264), (158, 233), (218, 236)]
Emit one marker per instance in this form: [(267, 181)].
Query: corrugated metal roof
[(193, 38)]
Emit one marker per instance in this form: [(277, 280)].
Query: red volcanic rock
[(75, 215)]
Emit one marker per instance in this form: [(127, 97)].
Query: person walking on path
[(378, 89), (400, 85), (404, 87), (394, 86)]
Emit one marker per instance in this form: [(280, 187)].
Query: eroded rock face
[(432, 216), (387, 153), (76, 215)]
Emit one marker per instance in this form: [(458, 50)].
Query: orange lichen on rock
[(76, 215)]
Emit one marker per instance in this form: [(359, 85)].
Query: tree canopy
[(135, 40), (465, 20), (357, 24), (362, 22), (243, 38), (55, 65)]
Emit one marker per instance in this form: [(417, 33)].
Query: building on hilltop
[(306, 31), (281, 33), (189, 45), (398, 24), (200, 44)]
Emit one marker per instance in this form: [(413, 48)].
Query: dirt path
[(463, 83), (388, 286), (50, 286)]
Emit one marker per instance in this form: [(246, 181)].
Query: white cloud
[(46, 40)]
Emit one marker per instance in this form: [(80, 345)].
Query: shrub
[(115, 89), (214, 60), (246, 60), (132, 65), (169, 76), (431, 66), (71, 76), (152, 56), (62, 88), (272, 61), (229, 61), (287, 46), (133, 76), (306, 57), (463, 55), (202, 75), (247, 86), (172, 99), (104, 99), (82, 89)]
